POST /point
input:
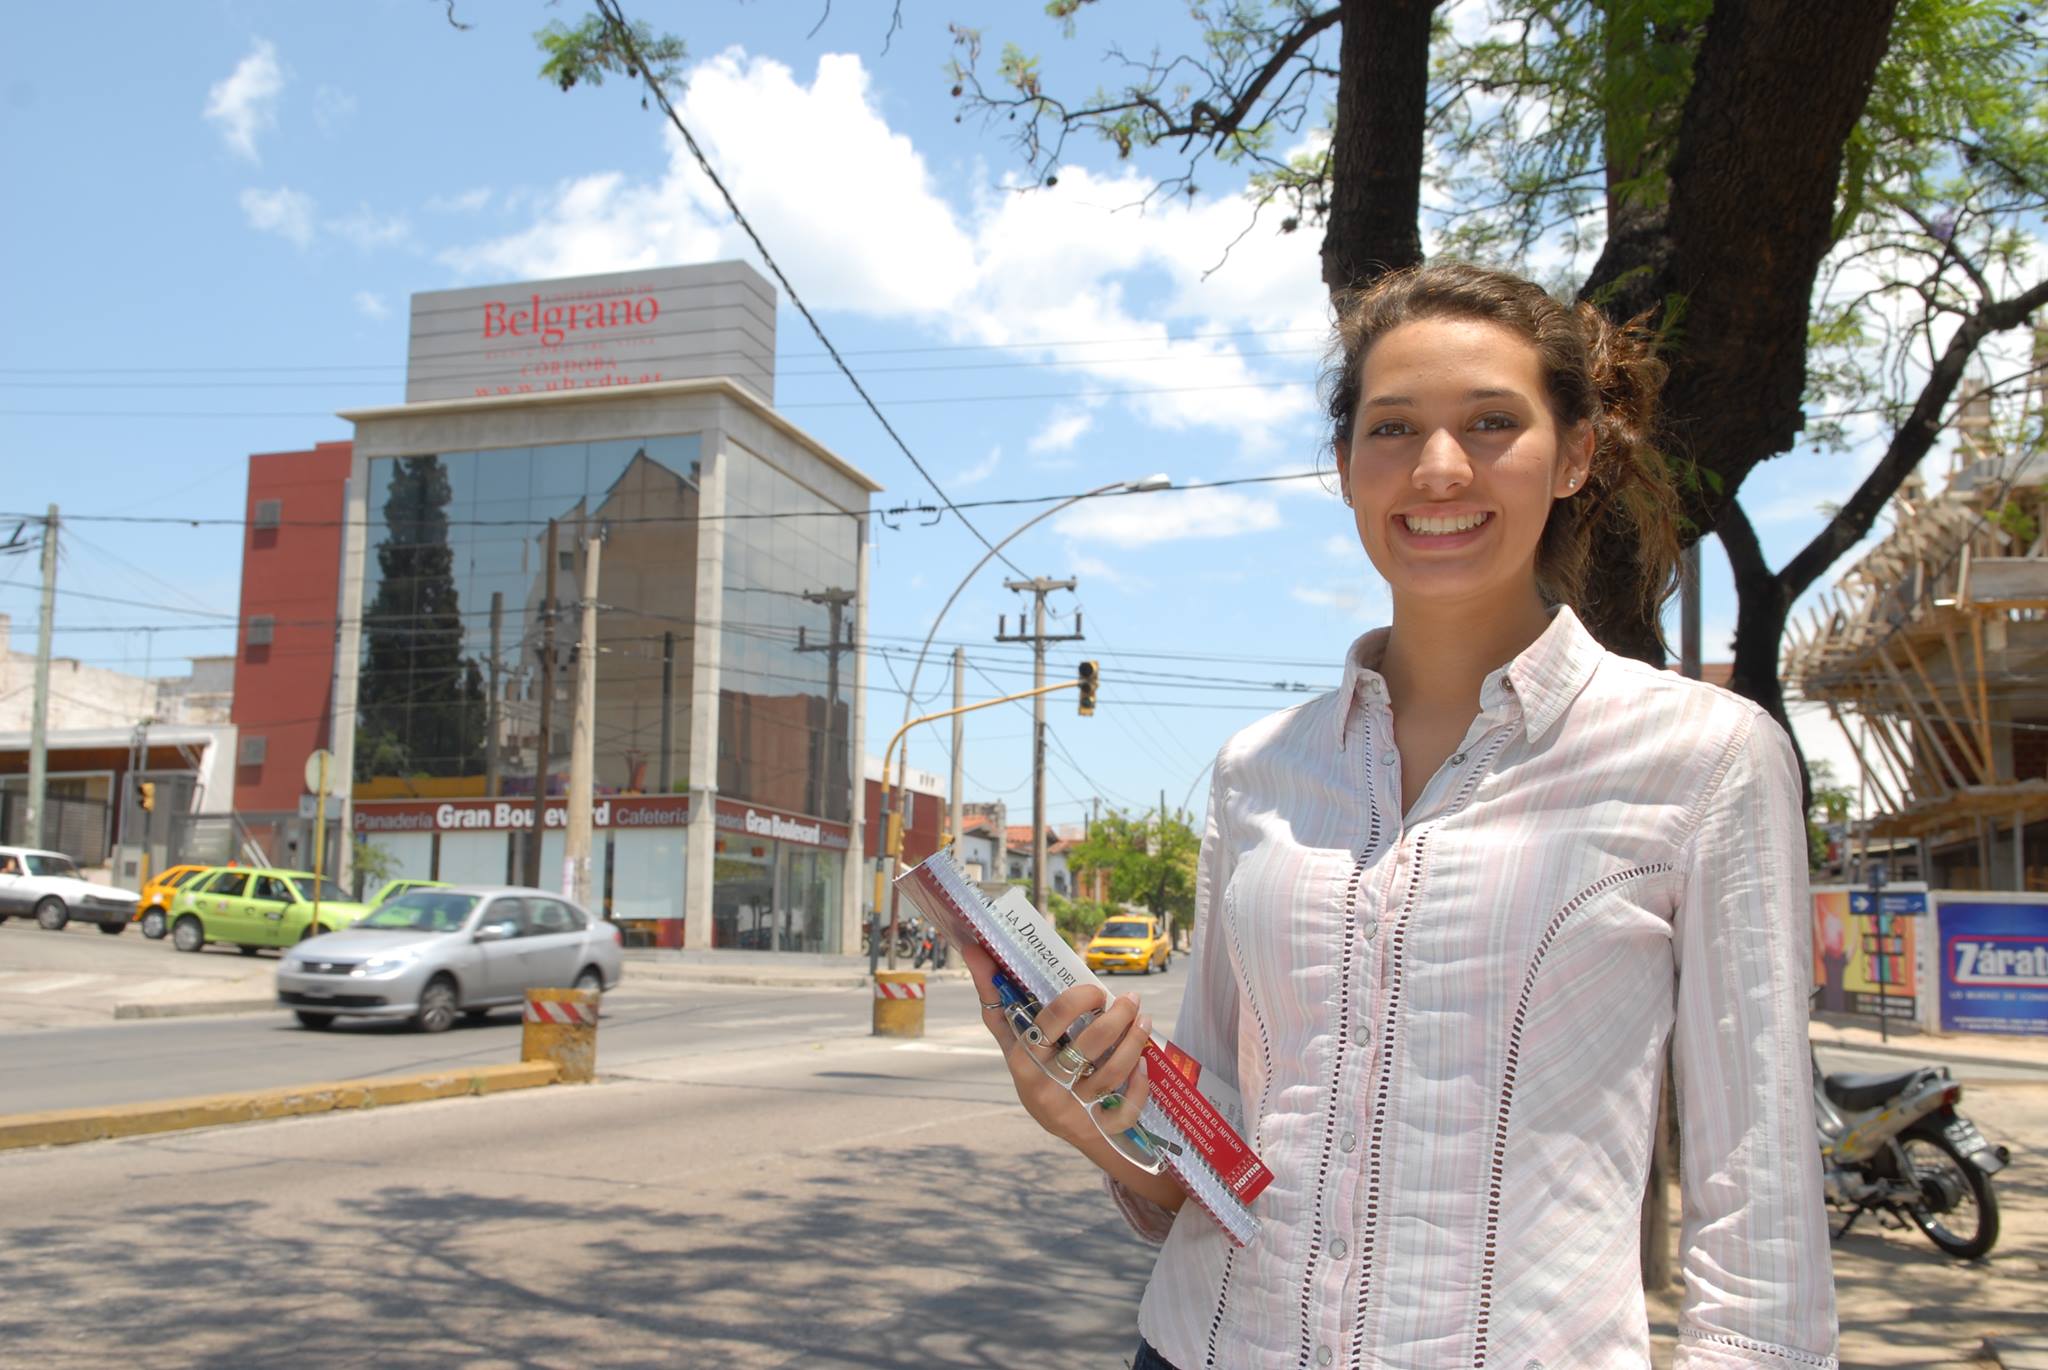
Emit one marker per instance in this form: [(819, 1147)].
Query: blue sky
[(234, 204)]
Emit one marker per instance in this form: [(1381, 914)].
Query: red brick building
[(284, 654)]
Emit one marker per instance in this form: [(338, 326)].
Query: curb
[(195, 1009), (64, 1127), (1930, 1057)]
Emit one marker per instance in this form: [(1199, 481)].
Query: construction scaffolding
[(1931, 654)]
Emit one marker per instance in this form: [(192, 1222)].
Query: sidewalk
[(776, 969), (1909, 1042)]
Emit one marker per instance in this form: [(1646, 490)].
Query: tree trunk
[(1374, 224), (1729, 265)]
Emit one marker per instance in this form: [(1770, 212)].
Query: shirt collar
[(1543, 679)]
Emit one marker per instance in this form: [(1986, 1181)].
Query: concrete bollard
[(561, 1026), (899, 1003)]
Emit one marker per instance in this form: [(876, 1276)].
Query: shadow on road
[(908, 1258)]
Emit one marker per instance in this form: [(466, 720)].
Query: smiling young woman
[(1448, 917)]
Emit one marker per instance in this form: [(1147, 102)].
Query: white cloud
[(1359, 602), (1140, 520), (372, 305), (981, 470), (285, 212), (1342, 547), (1115, 296), (468, 202), (332, 108), (367, 229), (246, 101), (1062, 431)]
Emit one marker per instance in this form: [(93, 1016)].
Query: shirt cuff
[(1698, 1350), (1147, 1219)]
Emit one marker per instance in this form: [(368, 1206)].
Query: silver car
[(431, 954)]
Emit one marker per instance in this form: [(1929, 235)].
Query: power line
[(788, 356), (623, 32), (492, 377), (994, 502), (865, 401)]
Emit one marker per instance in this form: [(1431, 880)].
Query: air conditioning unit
[(253, 750), (262, 628), (269, 513)]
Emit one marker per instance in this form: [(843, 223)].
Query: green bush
[(1076, 919)]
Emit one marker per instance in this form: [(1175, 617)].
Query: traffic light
[(1088, 676), (145, 795)]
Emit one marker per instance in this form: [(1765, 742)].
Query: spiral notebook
[(1201, 1118)]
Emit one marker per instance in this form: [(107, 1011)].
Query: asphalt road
[(829, 1204), (131, 1062)]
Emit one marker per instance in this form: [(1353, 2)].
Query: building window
[(269, 513), (785, 705), (253, 749), (455, 611), (262, 628)]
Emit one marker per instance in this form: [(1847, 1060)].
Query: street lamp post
[(892, 796)]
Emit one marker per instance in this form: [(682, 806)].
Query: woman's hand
[(1114, 1041)]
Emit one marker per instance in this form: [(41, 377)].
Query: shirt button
[(1389, 758), (1371, 928), (1348, 1141), (1337, 1249), (1362, 1034), (1323, 1356), (1458, 759)]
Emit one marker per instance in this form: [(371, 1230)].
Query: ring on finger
[(985, 1008)]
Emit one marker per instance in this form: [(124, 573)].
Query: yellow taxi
[(152, 910), (1132, 942)]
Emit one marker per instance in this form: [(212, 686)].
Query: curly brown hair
[(1595, 371)]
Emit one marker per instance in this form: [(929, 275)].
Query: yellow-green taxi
[(1133, 942), (252, 907)]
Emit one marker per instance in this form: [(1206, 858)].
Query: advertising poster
[(1866, 949), (1994, 964)]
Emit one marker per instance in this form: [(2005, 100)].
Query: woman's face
[(1455, 460)]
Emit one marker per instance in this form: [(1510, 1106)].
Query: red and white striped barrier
[(886, 990), (564, 1015)]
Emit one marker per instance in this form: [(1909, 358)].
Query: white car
[(48, 885)]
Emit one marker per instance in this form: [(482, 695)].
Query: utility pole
[(665, 771), (39, 710), (530, 872), (1040, 587), (955, 816), (838, 604), (491, 709), (582, 733)]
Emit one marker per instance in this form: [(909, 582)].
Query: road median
[(64, 1127)]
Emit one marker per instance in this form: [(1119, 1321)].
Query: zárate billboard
[(1994, 963)]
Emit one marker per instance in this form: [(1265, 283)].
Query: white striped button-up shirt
[(1447, 1028)]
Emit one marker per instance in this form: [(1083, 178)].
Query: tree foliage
[(1149, 859), (1826, 210)]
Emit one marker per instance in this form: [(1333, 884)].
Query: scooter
[(1893, 1144)]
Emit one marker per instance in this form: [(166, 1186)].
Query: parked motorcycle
[(930, 947), (1893, 1144)]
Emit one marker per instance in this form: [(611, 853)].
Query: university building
[(627, 418)]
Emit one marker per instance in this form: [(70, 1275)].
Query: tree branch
[(1914, 438)]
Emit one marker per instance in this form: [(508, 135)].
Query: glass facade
[(786, 667), (456, 604), (455, 612)]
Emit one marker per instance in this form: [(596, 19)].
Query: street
[(826, 1201), (755, 1182)]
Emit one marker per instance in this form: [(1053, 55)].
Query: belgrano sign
[(624, 328)]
